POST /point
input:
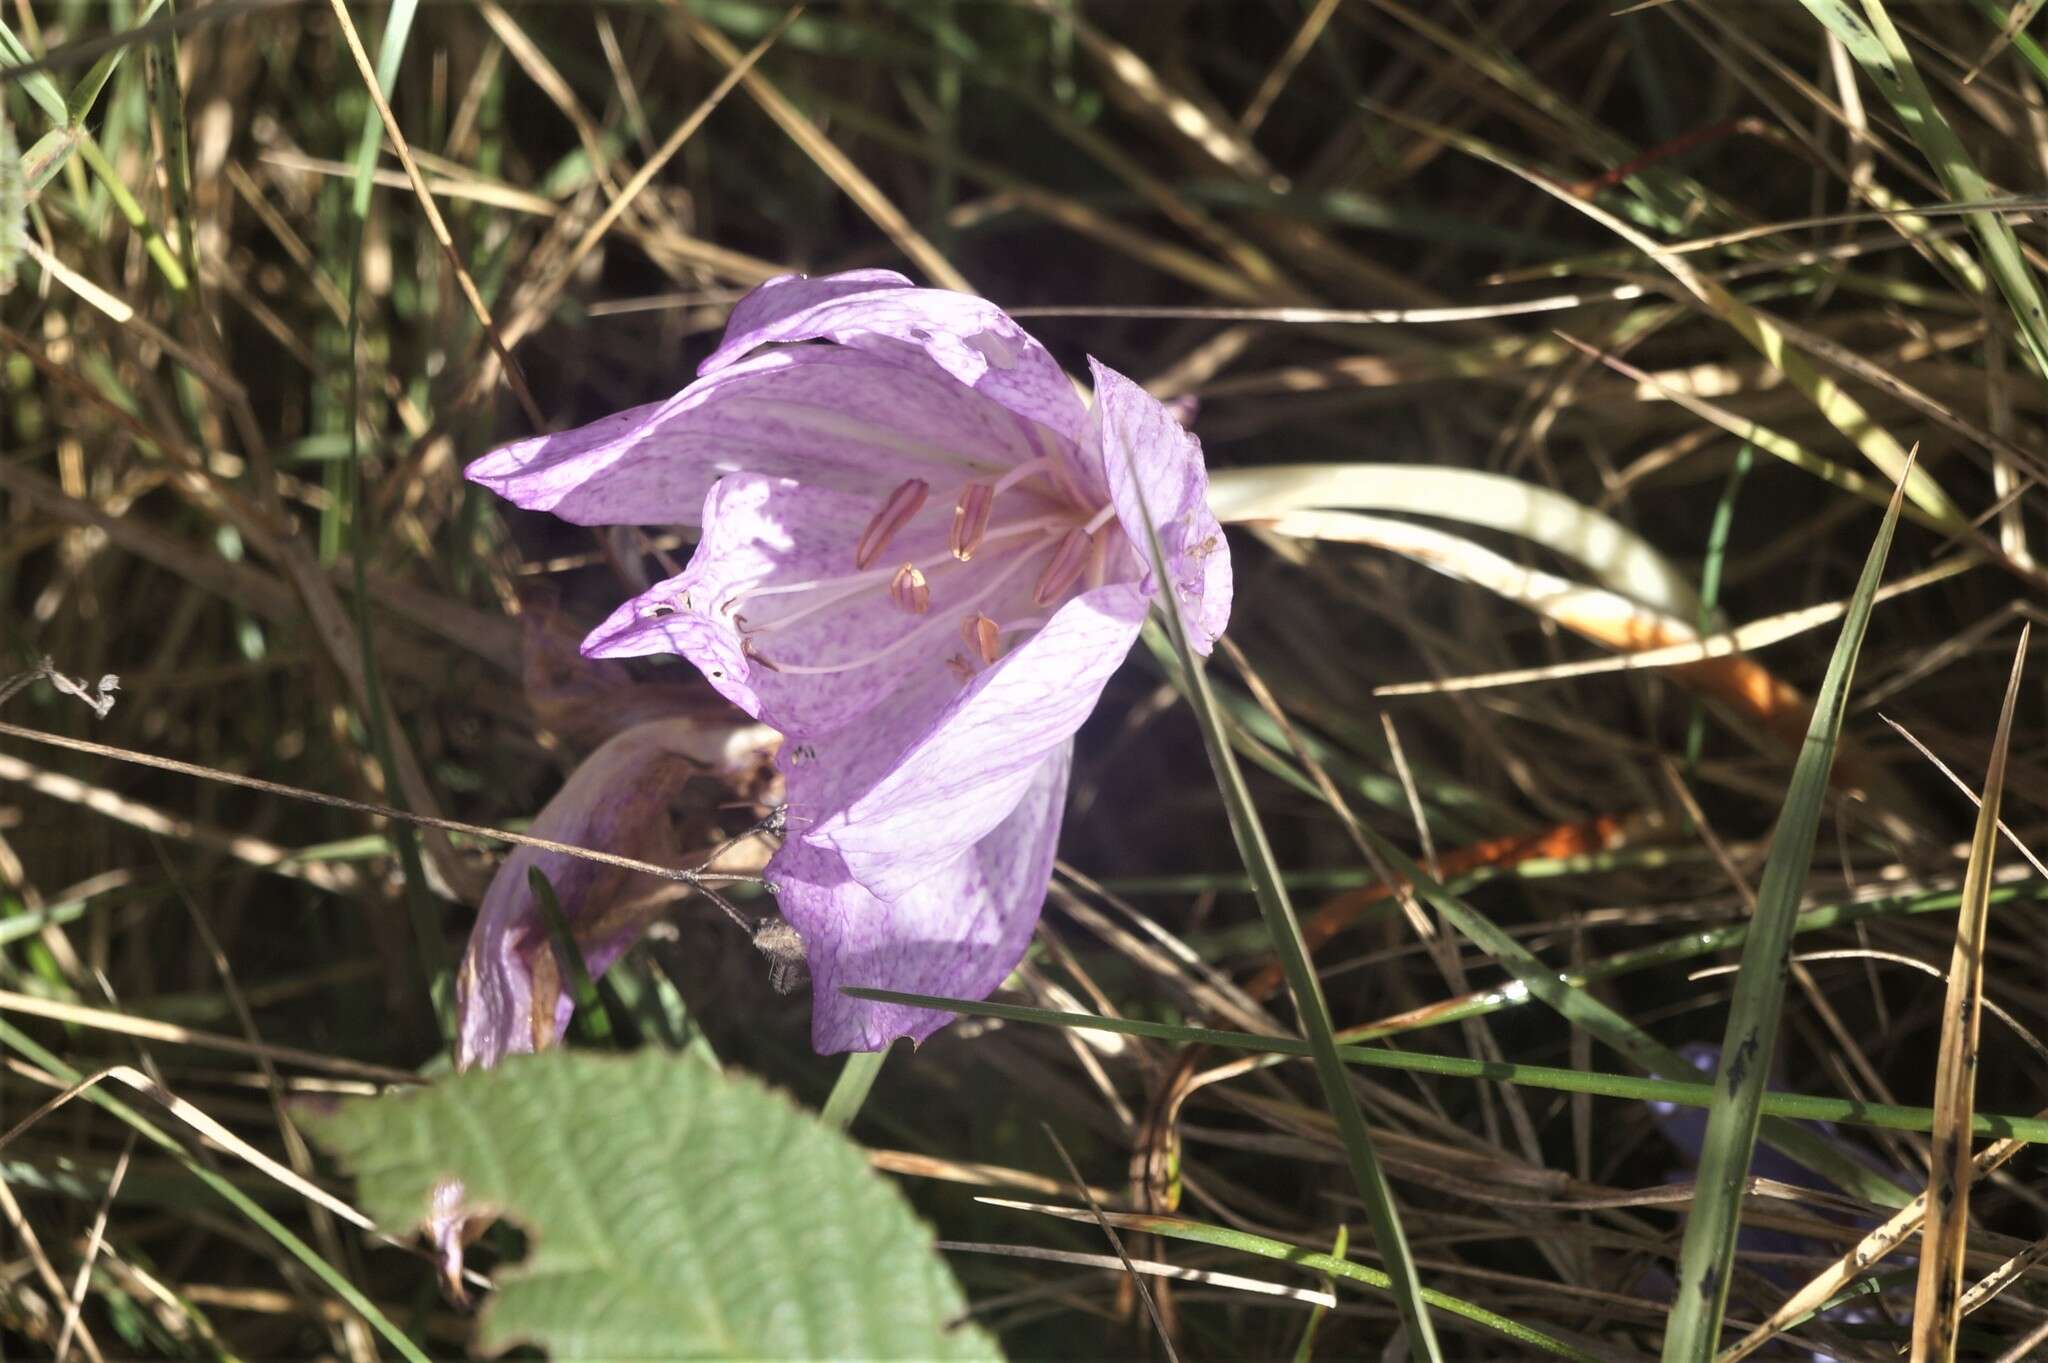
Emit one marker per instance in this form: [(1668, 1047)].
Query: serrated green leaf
[(673, 1212)]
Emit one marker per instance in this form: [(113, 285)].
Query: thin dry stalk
[(1937, 1300)]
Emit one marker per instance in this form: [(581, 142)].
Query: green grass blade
[(1834, 402), (162, 71), (1710, 583), (1312, 1010), (1305, 1350), (424, 914), (79, 103), (160, 252), (1877, 47), (41, 162), (16, 926), (1455, 809), (1937, 1303), (1707, 1258), (69, 115), (1543, 982), (1589, 1014), (1793, 1107), (40, 87), (1688, 947), (1331, 1265), (389, 53), (2029, 50), (13, 204)]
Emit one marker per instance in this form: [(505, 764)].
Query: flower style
[(922, 557)]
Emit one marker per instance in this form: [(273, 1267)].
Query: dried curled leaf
[(510, 991)]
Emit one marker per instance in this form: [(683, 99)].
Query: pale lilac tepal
[(922, 557)]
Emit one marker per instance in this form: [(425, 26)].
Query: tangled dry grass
[(1685, 265)]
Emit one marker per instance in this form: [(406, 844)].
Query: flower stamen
[(970, 520), (982, 636), (909, 590), (828, 593), (1098, 561), (901, 508), (852, 584), (1069, 560), (909, 637)]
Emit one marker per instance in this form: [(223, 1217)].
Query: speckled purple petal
[(616, 801), (1145, 452), (834, 417), (963, 777), (880, 311), (770, 533), (769, 305), (924, 784), (957, 933)]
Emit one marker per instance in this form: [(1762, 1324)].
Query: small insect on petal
[(1063, 570), (903, 505), (970, 520), (981, 636), (909, 590), (783, 945)]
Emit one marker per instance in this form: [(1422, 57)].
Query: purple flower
[(922, 557)]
